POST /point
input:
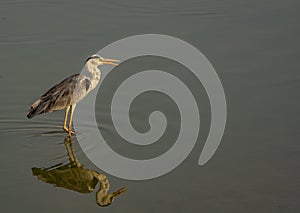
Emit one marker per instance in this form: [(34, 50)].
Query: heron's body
[(70, 177), (62, 95), (67, 93)]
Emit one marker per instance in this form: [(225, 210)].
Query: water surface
[(253, 47)]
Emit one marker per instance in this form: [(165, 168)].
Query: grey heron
[(67, 93)]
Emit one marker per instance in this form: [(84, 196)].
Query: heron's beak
[(111, 61), (120, 191)]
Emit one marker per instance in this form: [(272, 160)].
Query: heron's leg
[(67, 142), (66, 118), (74, 155), (70, 120)]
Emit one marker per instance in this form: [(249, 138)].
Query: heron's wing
[(60, 96), (66, 85), (74, 178), (63, 94)]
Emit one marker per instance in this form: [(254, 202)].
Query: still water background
[(254, 47)]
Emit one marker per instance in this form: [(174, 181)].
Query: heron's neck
[(95, 74), (104, 187)]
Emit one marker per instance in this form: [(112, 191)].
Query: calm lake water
[(254, 47)]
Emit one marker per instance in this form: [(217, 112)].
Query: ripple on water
[(35, 131), (164, 8), (19, 126)]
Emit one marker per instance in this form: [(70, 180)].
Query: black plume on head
[(91, 57)]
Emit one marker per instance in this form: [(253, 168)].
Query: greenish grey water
[(253, 47)]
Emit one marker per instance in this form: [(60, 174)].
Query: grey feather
[(58, 97)]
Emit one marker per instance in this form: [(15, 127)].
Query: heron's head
[(107, 199), (98, 60)]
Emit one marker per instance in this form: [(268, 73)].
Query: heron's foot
[(69, 131)]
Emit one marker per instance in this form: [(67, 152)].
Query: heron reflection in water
[(75, 177), (66, 94)]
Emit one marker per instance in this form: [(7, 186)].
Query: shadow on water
[(74, 176)]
